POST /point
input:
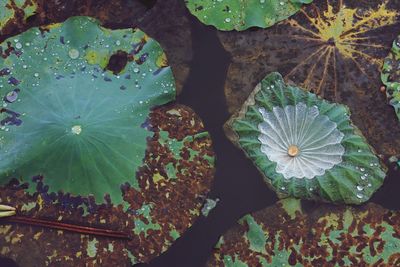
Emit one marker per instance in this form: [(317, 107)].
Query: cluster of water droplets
[(364, 183)]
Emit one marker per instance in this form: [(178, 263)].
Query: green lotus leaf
[(227, 15), (335, 49), (304, 146), (85, 138), (390, 76), (289, 234)]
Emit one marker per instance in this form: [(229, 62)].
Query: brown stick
[(66, 227)]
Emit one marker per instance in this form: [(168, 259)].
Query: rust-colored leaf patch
[(292, 234), (333, 48), (176, 176)]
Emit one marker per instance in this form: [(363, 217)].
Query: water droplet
[(360, 188), (36, 74), (73, 53), (18, 45), (360, 196), (227, 20), (12, 96), (136, 70), (77, 129)]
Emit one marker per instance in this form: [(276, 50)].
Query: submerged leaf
[(333, 48), (291, 234), (304, 146), (83, 139), (240, 15), (391, 76)]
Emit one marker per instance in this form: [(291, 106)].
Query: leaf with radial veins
[(290, 233), (240, 15), (71, 122), (304, 146), (85, 138)]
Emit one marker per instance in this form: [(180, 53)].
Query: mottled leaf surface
[(293, 233), (352, 180), (240, 15), (391, 76), (12, 9), (333, 48), (83, 139)]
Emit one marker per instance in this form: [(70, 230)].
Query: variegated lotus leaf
[(227, 15), (290, 234), (304, 146), (391, 76), (334, 48), (84, 140)]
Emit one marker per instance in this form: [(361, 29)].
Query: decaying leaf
[(83, 139), (305, 147), (290, 234), (333, 48), (240, 15), (391, 76)]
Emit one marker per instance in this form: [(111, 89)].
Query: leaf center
[(77, 129)]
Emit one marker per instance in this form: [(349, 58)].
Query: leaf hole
[(117, 62)]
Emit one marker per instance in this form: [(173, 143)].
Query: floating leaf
[(291, 234), (240, 15), (83, 139), (391, 76), (335, 49), (305, 147)]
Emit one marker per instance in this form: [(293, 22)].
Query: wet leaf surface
[(240, 15), (295, 233), (333, 48), (154, 17), (137, 159)]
